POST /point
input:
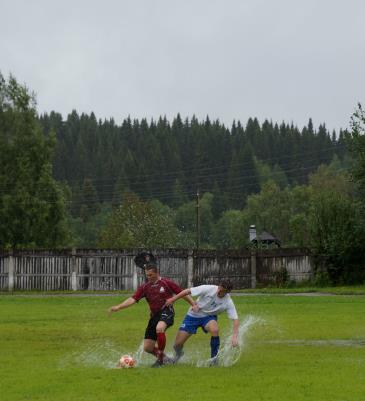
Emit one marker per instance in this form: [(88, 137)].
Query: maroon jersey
[(157, 293)]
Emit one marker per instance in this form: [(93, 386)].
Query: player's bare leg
[(149, 346), (180, 340)]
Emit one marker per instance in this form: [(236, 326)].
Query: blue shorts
[(190, 324)]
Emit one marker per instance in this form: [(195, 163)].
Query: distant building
[(265, 239)]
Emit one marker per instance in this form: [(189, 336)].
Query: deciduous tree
[(32, 205)]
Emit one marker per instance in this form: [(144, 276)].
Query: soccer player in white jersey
[(212, 300)]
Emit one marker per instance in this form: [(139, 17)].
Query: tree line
[(171, 161)]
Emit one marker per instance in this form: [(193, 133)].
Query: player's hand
[(168, 302), (234, 341), (195, 307), (113, 309)]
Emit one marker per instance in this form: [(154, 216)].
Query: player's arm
[(178, 290), (232, 314), (183, 294), (186, 295), (125, 304), (189, 300), (236, 325)]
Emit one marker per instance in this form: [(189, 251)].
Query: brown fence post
[(253, 269)]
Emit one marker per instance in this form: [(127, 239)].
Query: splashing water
[(98, 354), (229, 355), (106, 354)]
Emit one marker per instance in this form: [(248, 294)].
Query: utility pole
[(197, 219)]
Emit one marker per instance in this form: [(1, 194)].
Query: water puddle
[(106, 354), (318, 343)]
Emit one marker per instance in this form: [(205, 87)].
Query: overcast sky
[(284, 60)]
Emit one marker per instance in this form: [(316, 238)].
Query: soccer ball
[(127, 361)]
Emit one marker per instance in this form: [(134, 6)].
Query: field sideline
[(64, 348)]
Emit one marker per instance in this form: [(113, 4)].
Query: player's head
[(224, 287), (151, 271)]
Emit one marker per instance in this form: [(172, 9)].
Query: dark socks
[(178, 350), (214, 346)]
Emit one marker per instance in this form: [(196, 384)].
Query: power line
[(217, 176), (202, 168), (162, 195)]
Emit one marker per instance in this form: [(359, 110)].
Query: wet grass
[(298, 289), (64, 348), (339, 290)]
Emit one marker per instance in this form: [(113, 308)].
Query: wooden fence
[(95, 269)]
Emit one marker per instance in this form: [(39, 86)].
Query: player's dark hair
[(227, 285)]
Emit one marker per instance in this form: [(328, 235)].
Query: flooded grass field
[(291, 348)]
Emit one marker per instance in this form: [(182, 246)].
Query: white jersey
[(210, 304)]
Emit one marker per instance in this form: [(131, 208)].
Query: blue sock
[(214, 346)]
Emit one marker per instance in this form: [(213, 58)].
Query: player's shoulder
[(229, 300), (210, 287), (167, 280), (143, 286), (206, 289)]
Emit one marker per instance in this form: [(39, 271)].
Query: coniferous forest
[(170, 161)]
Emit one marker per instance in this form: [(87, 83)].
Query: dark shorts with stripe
[(165, 315)]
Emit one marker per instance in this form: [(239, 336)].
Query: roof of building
[(267, 238)]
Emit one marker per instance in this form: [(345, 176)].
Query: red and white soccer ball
[(127, 361)]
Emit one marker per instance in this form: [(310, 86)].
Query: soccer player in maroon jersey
[(156, 291)]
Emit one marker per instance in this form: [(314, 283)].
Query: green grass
[(60, 348), (340, 290)]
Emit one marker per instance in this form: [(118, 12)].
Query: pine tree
[(179, 196), (89, 200)]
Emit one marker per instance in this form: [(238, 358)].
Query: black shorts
[(165, 315)]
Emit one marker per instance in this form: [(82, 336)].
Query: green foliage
[(230, 231), (139, 224), (281, 277), (289, 182), (278, 212), (275, 174), (86, 233), (336, 234), (337, 231), (185, 217), (243, 178), (89, 201), (170, 161), (219, 204), (32, 204), (356, 142), (186, 220), (179, 195)]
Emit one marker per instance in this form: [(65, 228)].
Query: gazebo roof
[(266, 238)]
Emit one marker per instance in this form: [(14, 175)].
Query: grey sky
[(281, 60)]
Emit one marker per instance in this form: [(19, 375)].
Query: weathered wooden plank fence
[(95, 269)]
